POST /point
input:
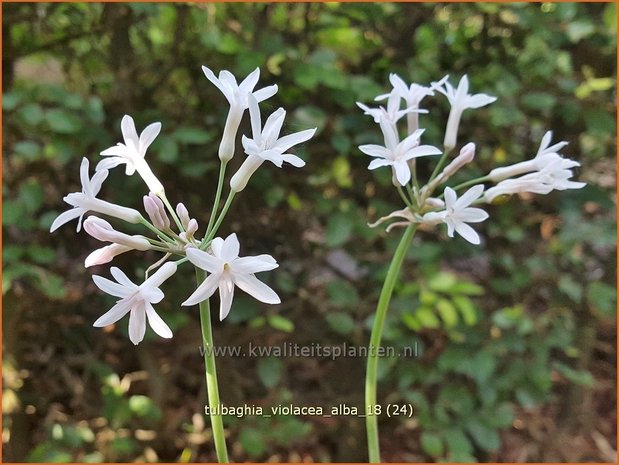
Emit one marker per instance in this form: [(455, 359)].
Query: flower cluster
[(174, 233), (548, 170)]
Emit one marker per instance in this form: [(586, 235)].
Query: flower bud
[(103, 231), (129, 215), (156, 211), (451, 133), (183, 214), (105, 254)]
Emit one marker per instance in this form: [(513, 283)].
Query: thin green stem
[(472, 182), (211, 375), (209, 237), (220, 185), (375, 338), (439, 165), (157, 231), (173, 213), (404, 198)]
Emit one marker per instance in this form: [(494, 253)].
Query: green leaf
[(484, 436), (280, 323), (270, 371), (252, 442), (427, 318), (432, 443), (342, 294), (28, 149), (31, 114), (340, 322), (602, 298), (339, 230), (448, 313), (581, 377), (63, 122), (442, 282), (191, 135), (467, 309)]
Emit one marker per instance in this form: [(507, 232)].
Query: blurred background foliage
[(516, 337)]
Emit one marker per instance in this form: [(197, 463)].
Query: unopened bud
[(183, 214), (156, 211)]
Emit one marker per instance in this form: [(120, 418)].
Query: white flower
[(132, 153), (546, 155), (392, 114), (460, 100), (103, 231), (554, 175), (412, 95), (136, 299), (237, 96), (86, 200), (396, 154), (267, 145), (227, 270), (457, 213)]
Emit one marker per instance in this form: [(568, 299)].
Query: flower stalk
[(375, 339), (212, 386)]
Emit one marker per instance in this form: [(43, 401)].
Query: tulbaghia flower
[(546, 155), (86, 200), (136, 300), (227, 270), (392, 114), (103, 231), (397, 154), (237, 96), (132, 153), (412, 95), (267, 145), (105, 254), (555, 175), (460, 100), (457, 213)]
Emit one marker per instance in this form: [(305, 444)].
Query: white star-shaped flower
[(396, 154), (136, 300), (86, 200), (458, 213), (132, 153), (266, 144), (227, 270)]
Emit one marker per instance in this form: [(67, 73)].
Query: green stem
[(439, 165), (217, 424), (157, 231), (220, 185), (472, 182), (375, 338), (173, 213), (405, 199), (209, 237)]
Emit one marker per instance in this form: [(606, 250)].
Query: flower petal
[(127, 126), (110, 287), (374, 150), (137, 323), (155, 322), (226, 294), (402, 172), (248, 84), (154, 295), (231, 248), (256, 264), (469, 197), (293, 160), (254, 116), (65, 217), (467, 233), (148, 136), (204, 260), (256, 288), (204, 290), (284, 143), (378, 162), (122, 278), (114, 314), (265, 93)]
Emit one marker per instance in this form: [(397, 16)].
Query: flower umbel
[(227, 270), (136, 300)]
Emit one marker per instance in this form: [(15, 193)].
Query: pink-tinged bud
[(192, 227), (156, 211), (433, 202), (103, 231), (105, 254), (183, 214)]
